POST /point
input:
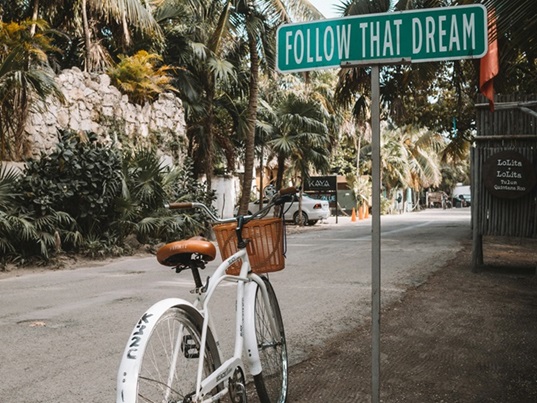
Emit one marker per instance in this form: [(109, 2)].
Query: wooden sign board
[(320, 184), (509, 175)]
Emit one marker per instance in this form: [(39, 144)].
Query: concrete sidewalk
[(460, 337)]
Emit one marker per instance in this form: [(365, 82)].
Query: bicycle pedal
[(190, 347)]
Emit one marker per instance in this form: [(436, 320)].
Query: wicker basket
[(265, 244)]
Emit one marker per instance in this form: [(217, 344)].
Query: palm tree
[(25, 79), (395, 166), (259, 19), (197, 43), (98, 28), (411, 158), (213, 41), (424, 147), (301, 138)]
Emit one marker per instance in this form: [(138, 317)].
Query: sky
[(327, 7)]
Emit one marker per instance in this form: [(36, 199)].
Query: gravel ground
[(459, 337)]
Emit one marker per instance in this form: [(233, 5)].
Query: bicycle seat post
[(196, 275)]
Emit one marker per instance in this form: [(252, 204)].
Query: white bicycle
[(173, 354)]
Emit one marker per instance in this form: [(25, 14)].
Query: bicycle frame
[(245, 337)]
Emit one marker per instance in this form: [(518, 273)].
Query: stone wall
[(93, 104)]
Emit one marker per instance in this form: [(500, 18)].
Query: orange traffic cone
[(361, 212), (353, 216), (366, 208)]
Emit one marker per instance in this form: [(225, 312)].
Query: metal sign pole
[(375, 240), (375, 233)]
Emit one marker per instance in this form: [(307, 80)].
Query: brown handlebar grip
[(176, 206), (288, 191)]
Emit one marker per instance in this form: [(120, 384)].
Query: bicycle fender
[(129, 368), (250, 339)]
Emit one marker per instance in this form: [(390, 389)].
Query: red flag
[(490, 67)]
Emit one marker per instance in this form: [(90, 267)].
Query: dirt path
[(460, 337)]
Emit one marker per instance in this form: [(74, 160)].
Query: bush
[(139, 77), (24, 236), (183, 187), (80, 178), (91, 199)]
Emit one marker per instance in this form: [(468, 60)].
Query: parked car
[(462, 200), (313, 210), (462, 196)]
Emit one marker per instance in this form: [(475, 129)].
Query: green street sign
[(444, 33)]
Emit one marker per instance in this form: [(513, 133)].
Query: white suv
[(313, 210)]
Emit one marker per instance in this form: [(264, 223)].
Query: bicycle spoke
[(171, 357)]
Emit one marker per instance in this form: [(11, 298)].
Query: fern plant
[(27, 236)]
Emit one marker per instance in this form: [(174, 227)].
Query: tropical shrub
[(140, 77), (80, 177), (8, 221), (141, 205), (25, 236), (25, 78), (148, 186), (183, 187), (87, 198)]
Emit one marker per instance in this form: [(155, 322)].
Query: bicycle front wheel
[(170, 361), (271, 383)]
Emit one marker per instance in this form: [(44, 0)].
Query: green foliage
[(140, 207), (140, 78), (91, 199), (148, 186), (145, 177), (79, 178), (385, 205), (8, 221), (25, 236), (185, 188), (25, 78)]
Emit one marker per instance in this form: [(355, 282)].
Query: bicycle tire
[(271, 383), (176, 325)]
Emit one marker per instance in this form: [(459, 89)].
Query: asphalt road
[(62, 332)]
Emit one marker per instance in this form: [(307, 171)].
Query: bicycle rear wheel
[(271, 383), (170, 360)]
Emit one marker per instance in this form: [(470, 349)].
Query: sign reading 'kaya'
[(418, 36), (509, 175), (320, 183)]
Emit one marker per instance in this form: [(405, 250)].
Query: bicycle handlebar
[(288, 191), (177, 206), (278, 198)]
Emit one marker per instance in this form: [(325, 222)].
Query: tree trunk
[(20, 139), (35, 14), (358, 145), (208, 165), (125, 26), (300, 215), (87, 35), (251, 121), (279, 175), (261, 174)]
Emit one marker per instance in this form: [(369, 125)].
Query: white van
[(461, 196)]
